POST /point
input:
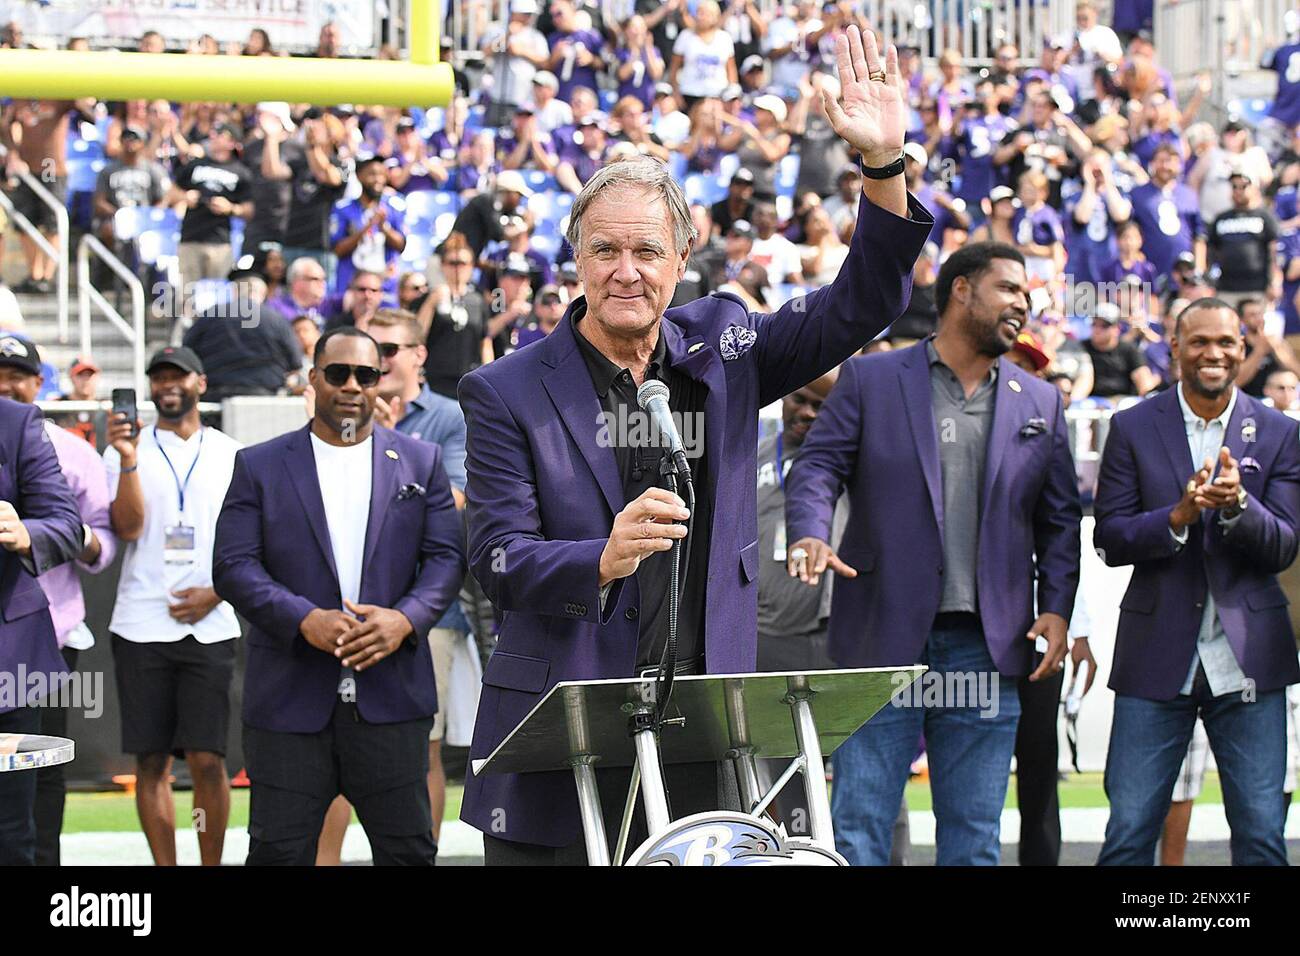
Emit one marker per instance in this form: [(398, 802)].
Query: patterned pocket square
[(411, 490), (736, 341), (1035, 426), (1249, 464)]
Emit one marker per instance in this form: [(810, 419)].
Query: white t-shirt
[(795, 65), (148, 574), (779, 256), (704, 65), (344, 474)]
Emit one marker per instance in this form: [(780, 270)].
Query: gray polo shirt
[(963, 426)]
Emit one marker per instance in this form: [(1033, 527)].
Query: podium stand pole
[(593, 821), (741, 753), (821, 829), (652, 778)]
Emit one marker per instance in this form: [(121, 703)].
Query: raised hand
[(869, 115)]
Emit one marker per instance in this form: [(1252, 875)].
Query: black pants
[(1037, 754), (380, 768), (51, 785), (692, 788), (18, 796)]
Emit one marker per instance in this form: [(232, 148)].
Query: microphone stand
[(681, 560)]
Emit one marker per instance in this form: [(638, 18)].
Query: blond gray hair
[(646, 174)]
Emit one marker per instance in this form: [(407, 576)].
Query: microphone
[(652, 396)]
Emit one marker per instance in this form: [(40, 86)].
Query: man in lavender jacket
[(21, 380), (961, 549), (567, 521), (1204, 626), (40, 529)]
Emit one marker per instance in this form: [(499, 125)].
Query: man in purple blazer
[(961, 549), (40, 528), (567, 519), (1199, 490), (341, 545)]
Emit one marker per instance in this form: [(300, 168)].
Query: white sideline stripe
[(1078, 825)]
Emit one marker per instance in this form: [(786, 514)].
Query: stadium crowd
[(441, 233)]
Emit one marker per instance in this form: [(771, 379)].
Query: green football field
[(115, 812)]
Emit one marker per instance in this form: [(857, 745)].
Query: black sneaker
[(44, 286), (27, 287)]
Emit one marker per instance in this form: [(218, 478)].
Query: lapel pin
[(391, 454), (1015, 386), (1248, 432), (695, 348)]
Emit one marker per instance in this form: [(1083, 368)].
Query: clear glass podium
[(736, 717), (31, 751)]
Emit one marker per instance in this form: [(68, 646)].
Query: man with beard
[(963, 525), (368, 233), (173, 637), (1199, 491), (341, 544)]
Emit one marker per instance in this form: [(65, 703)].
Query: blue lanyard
[(780, 472), (180, 486)]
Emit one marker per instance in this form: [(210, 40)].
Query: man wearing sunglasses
[(341, 544), (568, 524)]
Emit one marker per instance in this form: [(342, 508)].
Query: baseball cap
[(135, 132), (230, 129), (82, 363), (1029, 344), (569, 272), (773, 104), (546, 78), (1107, 312), (244, 267), (516, 264), (1185, 259), (664, 89), (20, 353), (550, 290), (365, 159), (851, 170), (177, 356), (511, 181), (1060, 41), (752, 62), (732, 92), (741, 229), (915, 151), (525, 108), (1242, 174), (999, 193), (405, 123), (742, 176), (524, 6), (280, 111)]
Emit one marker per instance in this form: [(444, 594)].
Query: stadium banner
[(293, 25)]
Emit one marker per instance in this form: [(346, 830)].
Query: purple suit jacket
[(543, 495), (876, 436), (32, 481), (1143, 469), (272, 560)]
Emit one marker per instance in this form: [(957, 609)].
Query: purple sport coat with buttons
[(543, 495), (876, 437), (1144, 468), (273, 561), (32, 481)]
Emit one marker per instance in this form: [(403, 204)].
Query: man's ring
[(1191, 485), (877, 76), (798, 554)]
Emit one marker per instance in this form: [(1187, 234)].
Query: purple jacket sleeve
[(518, 568), (1125, 534), (810, 335), (1056, 526), (46, 504), (826, 462), (1264, 535), (442, 559), (238, 574)]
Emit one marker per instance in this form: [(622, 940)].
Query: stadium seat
[(424, 207), (87, 145), (787, 175), (415, 256), (134, 221), (83, 170), (704, 188), (548, 246), (539, 181), (442, 226), (237, 226), (607, 100), (677, 165)]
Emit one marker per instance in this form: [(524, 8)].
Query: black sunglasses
[(337, 374), (390, 349)]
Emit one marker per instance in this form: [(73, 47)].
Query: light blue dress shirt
[(1213, 652)]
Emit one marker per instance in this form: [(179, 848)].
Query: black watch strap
[(883, 172)]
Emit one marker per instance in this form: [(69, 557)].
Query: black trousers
[(51, 784), (18, 796), (1037, 754), (692, 788), (380, 768)]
